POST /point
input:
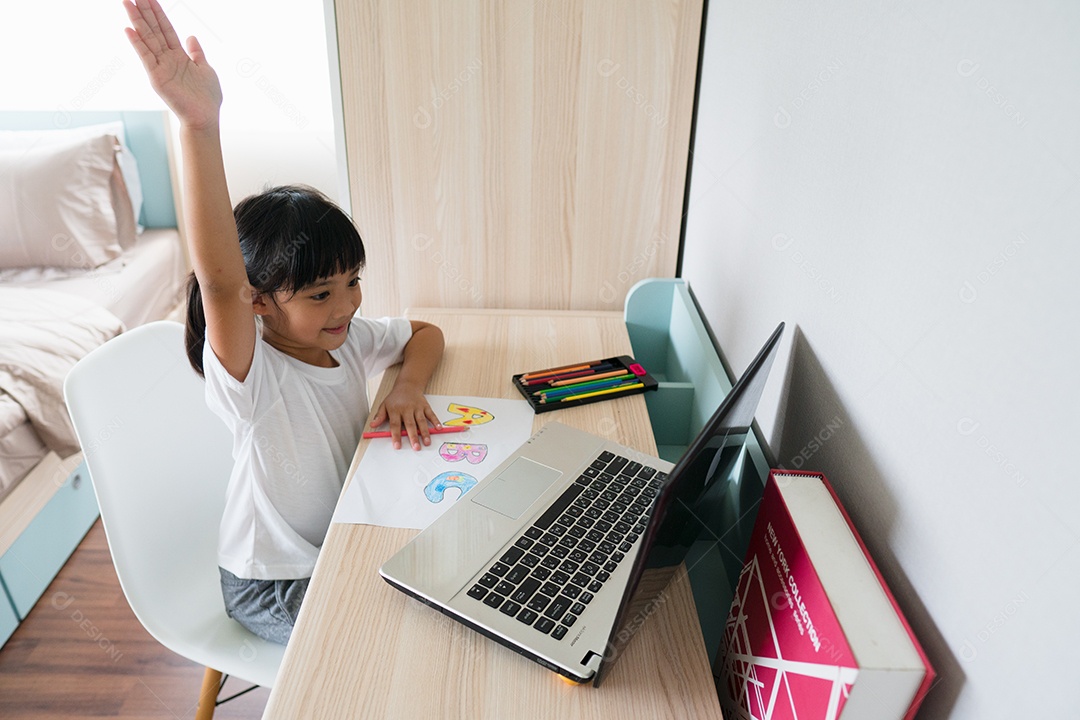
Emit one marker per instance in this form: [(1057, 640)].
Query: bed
[(89, 247)]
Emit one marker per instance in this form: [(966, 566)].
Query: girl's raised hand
[(184, 80)]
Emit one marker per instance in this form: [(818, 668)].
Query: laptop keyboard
[(553, 571)]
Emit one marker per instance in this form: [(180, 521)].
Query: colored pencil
[(565, 368), (592, 370), (578, 392), (584, 382), (597, 376), (585, 386), (433, 431), (621, 388), (547, 374)]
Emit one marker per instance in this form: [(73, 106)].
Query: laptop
[(563, 551)]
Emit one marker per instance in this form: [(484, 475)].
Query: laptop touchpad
[(517, 487)]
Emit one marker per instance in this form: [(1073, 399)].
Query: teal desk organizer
[(671, 338)]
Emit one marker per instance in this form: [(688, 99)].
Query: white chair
[(160, 461)]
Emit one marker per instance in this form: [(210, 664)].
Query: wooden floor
[(81, 653)]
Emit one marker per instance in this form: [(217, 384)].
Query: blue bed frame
[(50, 533)]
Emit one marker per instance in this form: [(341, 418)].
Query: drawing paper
[(408, 489)]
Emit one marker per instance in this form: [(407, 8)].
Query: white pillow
[(64, 200), (125, 158)]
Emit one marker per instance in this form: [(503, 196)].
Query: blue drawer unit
[(8, 619), (35, 558)]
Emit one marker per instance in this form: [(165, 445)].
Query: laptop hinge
[(592, 661)]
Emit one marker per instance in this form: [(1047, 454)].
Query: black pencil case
[(559, 388)]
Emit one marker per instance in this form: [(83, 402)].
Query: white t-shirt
[(295, 428)]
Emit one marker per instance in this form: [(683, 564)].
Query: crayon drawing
[(435, 490), (467, 415), (409, 489), (474, 453)]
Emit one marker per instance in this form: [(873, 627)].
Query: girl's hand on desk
[(184, 80), (406, 407)]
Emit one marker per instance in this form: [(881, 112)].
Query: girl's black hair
[(290, 237)]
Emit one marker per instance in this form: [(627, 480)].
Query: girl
[(271, 326)]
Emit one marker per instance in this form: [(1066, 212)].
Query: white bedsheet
[(144, 284), (20, 447), (42, 335)]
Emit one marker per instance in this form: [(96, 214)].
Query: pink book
[(813, 632)]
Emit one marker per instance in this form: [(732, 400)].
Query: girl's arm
[(405, 404), (190, 87)]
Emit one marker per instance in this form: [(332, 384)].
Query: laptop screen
[(690, 501)]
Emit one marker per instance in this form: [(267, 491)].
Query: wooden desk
[(364, 649)]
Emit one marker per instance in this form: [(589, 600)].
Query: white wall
[(900, 182), (270, 56)]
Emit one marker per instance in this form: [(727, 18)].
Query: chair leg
[(211, 685)]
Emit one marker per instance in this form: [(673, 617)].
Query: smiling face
[(314, 320)]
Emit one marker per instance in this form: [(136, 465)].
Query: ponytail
[(195, 327)]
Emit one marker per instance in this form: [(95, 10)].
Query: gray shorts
[(267, 608)]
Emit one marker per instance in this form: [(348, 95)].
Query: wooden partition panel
[(517, 153)]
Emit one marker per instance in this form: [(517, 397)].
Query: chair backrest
[(160, 462)]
